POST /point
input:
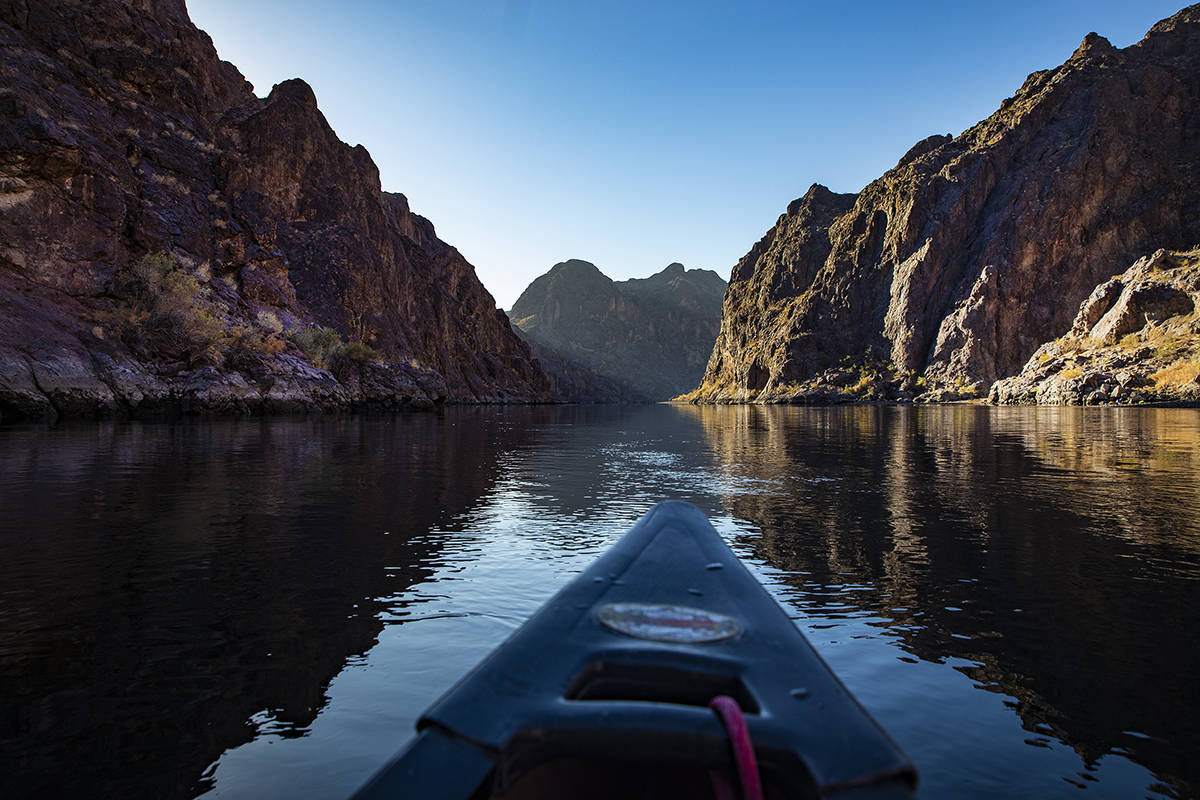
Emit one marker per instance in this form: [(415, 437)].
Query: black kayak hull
[(618, 668)]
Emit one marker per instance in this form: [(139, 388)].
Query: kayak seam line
[(493, 752), (882, 776)]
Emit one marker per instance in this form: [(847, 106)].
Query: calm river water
[(251, 609)]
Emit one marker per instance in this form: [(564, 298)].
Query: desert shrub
[(1176, 374), (324, 347), (1130, 341), (1069, 344), (163, 311), (244, 345), (864, 385), (1071, 372), (269, 322), (148, 274), (1170, 346), (190, 332), (359, 352), (318, 343)]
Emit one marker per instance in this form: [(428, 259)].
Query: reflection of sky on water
[(554, 509), (1011, 592)]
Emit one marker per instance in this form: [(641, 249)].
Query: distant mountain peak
[(575, 265), (650, 338)]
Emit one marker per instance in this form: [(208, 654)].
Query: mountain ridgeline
[(951, 270), (634, 340), (169, 242)]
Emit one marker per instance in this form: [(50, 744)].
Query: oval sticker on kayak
[(663, 623)]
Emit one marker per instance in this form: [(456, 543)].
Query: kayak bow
[(605, 691)]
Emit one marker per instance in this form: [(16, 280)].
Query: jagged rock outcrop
[(124, 137), (1136, 339), (950, 270), (611, 341)]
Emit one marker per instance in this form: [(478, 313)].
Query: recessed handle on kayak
[(647, 733), (680, 684)]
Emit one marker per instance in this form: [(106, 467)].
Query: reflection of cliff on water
[(172, 591), (592, 470), (1057, 548)]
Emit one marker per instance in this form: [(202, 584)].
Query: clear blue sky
[(634, 133)]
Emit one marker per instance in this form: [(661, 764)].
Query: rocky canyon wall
[(949, 271), (171, 242)]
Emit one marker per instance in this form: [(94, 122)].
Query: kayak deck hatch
[(604, 691)]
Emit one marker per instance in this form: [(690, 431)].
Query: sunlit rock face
[(1135, 339), (950, 270), (634, 340), (123, 134)]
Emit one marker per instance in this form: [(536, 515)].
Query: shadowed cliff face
[(970, 253), (123, 134), (641, 339), (174, 591), (1035, 547)]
